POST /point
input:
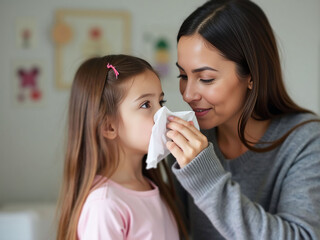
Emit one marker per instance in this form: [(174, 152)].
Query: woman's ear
[(250, 82), (109, 130)]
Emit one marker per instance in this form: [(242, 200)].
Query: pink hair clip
[(114, 69)]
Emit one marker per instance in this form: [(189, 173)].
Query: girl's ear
[(109, 130)]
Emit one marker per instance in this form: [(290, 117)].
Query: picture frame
[(81, 34)]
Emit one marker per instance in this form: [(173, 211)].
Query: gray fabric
[(272, 195)]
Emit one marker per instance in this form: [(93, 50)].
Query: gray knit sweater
[(272, 195)]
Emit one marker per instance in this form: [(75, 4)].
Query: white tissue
[(157, 146)]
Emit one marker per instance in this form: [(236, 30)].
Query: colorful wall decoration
[(159, 48), (81, 34), (26, 33), (27, 83)]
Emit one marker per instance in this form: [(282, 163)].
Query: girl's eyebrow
[(198, 69), (148, 95)]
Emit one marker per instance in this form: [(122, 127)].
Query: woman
[(254, 171)]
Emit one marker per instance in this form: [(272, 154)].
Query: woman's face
[(209, 83)]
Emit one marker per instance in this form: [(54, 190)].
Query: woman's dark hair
[(240, 30)]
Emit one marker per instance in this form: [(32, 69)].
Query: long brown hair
[(240, 30), (95, 95)]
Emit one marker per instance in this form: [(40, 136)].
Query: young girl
[(107, 193)]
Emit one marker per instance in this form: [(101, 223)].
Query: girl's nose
[(189, 91), (156, 110)]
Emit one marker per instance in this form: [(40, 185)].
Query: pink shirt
[(115, 212)]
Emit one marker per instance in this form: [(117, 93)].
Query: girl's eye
[(207, 80), (183, 77), (146, 105), (162, 102)]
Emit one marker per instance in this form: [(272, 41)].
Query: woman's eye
[(207, 80), (162, 102), (183, 77), (146, 105)]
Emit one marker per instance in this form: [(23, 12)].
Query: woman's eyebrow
[(199, 69)]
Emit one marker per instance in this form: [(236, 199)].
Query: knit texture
[(272, 195)]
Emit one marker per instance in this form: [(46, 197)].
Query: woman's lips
[(200, 112)]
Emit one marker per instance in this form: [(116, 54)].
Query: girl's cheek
[(146, 126)]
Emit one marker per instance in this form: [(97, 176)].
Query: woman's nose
[(189, 91)]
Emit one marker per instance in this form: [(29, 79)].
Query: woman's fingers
[(188, 124), (188, 131), (180, 132), (177, 153), (187, 141)]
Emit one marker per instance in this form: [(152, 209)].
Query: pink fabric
[(115, 212)]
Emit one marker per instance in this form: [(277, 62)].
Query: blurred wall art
[(81, 34), (28, 82)]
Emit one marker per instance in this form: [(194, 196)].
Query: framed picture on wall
[(81, 34)]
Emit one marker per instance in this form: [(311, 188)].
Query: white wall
[(31, 139), (297, 27)]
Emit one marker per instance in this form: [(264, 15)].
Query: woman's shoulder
[(306, 135), (309, 122), (299, 117)]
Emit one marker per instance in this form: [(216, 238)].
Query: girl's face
[(144, 97), (209, 83)]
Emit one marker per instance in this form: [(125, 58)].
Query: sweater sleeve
[(101, 219), (237, 217)]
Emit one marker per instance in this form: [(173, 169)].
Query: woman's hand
[(187, 141)]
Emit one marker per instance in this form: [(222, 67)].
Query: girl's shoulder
[(102, 211), (107, 190), (102, 194), (104, 200)]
